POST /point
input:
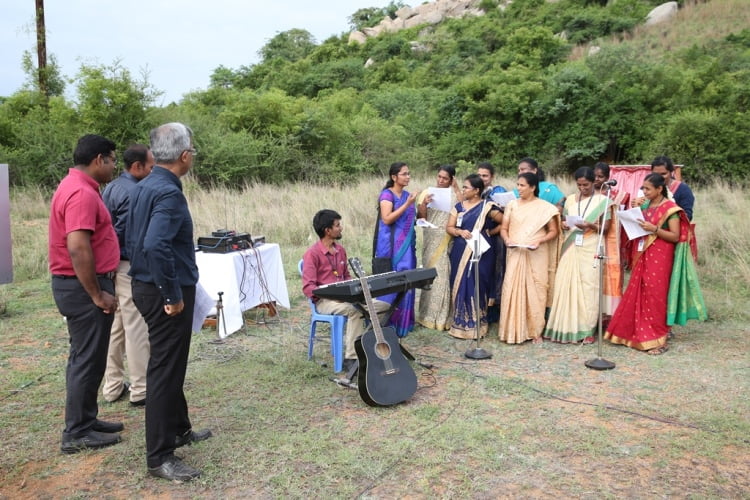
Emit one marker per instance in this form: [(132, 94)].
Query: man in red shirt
[(325, 262), (83, 255)]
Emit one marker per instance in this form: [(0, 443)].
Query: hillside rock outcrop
[(426, 13), (662, 13)]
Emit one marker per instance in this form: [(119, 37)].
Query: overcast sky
[(179, 44)]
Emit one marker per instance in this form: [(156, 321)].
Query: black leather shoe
[(174, 469), (192, 437), (140, 403), (109, 427), (125, 389), (90, 441)]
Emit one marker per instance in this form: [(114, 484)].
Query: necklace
[(334, 265)]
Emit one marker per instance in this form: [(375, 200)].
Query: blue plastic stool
[(338, 326)]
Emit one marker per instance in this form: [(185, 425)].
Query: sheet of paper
[(476, 236), (629, 220), (502, 199), (441, 198), (522, 246), (573, 220), (425, 223)]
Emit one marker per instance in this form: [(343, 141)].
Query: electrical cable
[(586, 403), (13, 392)]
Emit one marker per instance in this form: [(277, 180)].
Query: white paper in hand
[(476, 236), (441, 198), (425, 223), (502, 199), (573, 220), (630, 222)]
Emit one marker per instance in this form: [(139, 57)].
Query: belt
[(110, 276)]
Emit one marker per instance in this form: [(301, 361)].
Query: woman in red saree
[(640, 321)]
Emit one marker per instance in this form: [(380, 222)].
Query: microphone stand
[(477, 352), (220, 320), (600, 258)]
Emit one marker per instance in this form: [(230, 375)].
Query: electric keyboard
[(380, 284)]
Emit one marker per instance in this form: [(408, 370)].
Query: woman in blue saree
[(396, 239), (482, 218)]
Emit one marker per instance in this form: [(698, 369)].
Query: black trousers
[(88, 329), (169, 337)]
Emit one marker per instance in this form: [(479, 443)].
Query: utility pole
[(41, 48)]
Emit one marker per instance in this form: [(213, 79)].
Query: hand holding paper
[(630, 222), (441, 198), (502, 199), (476, 236), (425, 223)]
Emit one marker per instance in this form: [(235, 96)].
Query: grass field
[(530, 422)]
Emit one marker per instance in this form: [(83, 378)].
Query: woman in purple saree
[(397, 216)]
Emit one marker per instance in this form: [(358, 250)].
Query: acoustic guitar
[(385, 376)]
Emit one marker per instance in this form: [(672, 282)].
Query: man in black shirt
[(159, 236), (129, 332)]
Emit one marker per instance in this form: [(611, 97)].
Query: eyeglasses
[(405, 174), (111, 158), (192, 151)]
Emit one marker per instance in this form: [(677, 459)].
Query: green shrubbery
[(496, 87)]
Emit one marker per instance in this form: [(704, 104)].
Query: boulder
[(370, 61), (429, 18), (662, 13), (404, 12), (418, 47), (374, 31), (357, 37), (426, 9)]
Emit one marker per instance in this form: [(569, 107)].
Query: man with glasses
[(159, 234), (83, 257), (129, 331)]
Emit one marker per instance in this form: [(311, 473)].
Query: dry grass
[(696, 20), (284, 216)]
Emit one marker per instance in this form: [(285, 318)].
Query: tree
[(51, 75), (371, 16), (291, 45), (114, 104)]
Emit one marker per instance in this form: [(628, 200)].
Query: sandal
[(588, 340), (658, 351)]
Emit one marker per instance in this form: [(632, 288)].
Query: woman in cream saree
[(530, 230), (575, 301), (435, 308)]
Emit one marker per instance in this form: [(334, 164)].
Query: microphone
[(611, 182)]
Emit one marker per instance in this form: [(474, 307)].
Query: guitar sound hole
[(383, 350)]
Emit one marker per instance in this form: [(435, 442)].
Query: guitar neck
[(368, 299)]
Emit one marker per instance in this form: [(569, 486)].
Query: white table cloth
[(248, 278)]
